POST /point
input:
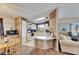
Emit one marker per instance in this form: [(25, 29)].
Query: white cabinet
[(31, 25)]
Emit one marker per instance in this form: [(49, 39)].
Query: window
[(41, 26), (75, 29)]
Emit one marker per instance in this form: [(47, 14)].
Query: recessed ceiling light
[(40, 18)]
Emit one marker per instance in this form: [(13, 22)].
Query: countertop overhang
[(43, 38)]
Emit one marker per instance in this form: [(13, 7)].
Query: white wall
[(69, 10), (8, 24)]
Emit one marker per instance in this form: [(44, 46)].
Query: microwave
[(11, 32)]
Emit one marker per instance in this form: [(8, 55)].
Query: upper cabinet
[(31, 25)]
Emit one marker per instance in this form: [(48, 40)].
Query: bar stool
[(14, 47), (8, 49)]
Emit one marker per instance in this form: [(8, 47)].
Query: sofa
[(67, 45)]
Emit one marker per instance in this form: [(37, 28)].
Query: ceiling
[(69, 13), (32, 11)]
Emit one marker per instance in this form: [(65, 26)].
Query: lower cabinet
[(43, 44)]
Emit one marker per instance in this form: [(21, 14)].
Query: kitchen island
[(44, 42)]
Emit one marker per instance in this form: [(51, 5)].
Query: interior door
[(24, 31)]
